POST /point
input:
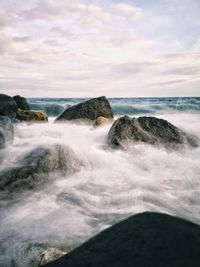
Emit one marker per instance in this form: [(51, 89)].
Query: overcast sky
[(77, 48)]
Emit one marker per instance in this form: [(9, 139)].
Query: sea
[(112, 185)]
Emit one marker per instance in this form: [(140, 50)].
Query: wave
[(121, 106), (51, 110)]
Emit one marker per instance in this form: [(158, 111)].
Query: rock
[(8, 107), (146, 239), (102, 121), (34, 167), (150, 130), (6, 131), (31, 115), (89, 110), (21, 102), (51, 254)]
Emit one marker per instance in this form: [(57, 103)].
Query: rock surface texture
[(31, 115), (150, 130), (89, 110), (34, 167), (8, 106), (146, 239), (21, 102), (6, 131)]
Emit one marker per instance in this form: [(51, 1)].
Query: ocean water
[(113, 184)]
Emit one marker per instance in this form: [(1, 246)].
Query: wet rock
[(35, 167), (6, 131), (8, 106), (100, 121), (146, 239), (89, 110), (149, 130), (21, 102), (31, 115), (51, 254)]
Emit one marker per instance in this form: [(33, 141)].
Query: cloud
[(128, 10), (89, 48)]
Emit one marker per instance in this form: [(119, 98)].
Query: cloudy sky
[(78, 48)]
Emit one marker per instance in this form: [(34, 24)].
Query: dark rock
[(90, 110), (8, 106), (150, 130), (146, 239), (34, 168), (31, 115), (6, 131), (21, 102)]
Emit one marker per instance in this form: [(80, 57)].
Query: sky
[(78, 48)]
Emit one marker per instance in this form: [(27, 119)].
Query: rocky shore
[(148, 239)]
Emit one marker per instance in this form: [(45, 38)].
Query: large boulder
[(146, 239), (21, 102), (89, 110), (31, 115), (150, 130), (8, 106), (34, 167), (6, 131)]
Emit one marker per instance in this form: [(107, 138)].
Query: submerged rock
[(51, 254), (21, 102), (146, 239), (6, 131), (150, 130), (8, 106), (90, 110), (31, 115), (34, 168), (102, 121)]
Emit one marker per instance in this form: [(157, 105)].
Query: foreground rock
[(31, 115), (8, 106), (150, 130), (21, 102), (6, 131), (147, 239), (34, 168), (89, 110), (51, 254)]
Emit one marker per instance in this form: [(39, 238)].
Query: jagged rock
[(102, 121), (50, 254), (150, 130), (21, 102), (90, 110), (8, 106), (31, 115), (6, 131), (34, 167), (146, 239)]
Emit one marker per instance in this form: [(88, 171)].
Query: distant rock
[(6, 131), (50, 254), (100, 121), (147, 239), (90, 110), (8, 106), (149, 130), (34, 167), (31, 115), (21, 102)]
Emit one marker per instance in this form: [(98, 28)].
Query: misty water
[(112, 185)]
